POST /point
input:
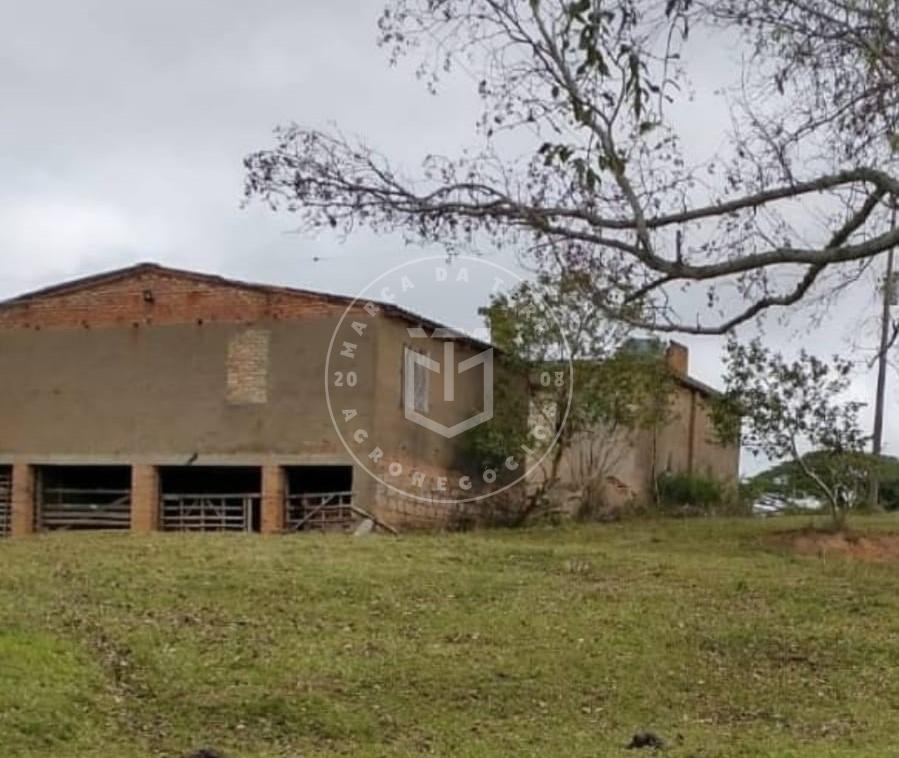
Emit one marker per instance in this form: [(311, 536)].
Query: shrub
[(683, 489)]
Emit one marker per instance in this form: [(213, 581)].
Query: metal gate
[(82, 497), (210, 513), (80, 508), (320, 510), (5, 501)]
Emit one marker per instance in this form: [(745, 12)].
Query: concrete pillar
[(144, 499), (22, 521), (274, 486)]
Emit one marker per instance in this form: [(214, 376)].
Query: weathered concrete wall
[(417, 449), (400, 434), (686, 443), (165, 391), (612, 466), (711, 457)]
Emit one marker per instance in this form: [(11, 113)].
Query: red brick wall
[(157, 298), (144, 498)]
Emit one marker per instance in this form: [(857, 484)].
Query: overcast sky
[(123, 126)]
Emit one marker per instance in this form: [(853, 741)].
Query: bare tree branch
[(606, 191)]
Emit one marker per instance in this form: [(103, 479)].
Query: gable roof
[(138, 269), (694, 384)]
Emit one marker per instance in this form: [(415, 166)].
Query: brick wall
[(428, 510), (160, 298), (247, 367), (144, 498)]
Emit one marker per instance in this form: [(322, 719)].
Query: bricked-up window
[(247, 368), (421, 376)]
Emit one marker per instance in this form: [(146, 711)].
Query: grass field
[(546, 642)]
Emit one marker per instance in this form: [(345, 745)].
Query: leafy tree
[(787, 480), (584, 90), (776, 406), (582, 390)]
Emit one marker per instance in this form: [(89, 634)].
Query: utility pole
[(889, 295)]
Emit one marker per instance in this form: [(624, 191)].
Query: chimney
[(677, 356)]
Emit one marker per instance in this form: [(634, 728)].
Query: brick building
[(152, 398)]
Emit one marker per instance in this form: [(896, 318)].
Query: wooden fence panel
[(328, 511), (209, 512), (61, 508)]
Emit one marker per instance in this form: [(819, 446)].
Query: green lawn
[(546, 642)]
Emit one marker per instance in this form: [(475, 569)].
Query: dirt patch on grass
[(878, 548)]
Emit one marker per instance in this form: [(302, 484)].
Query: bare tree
[(588, 88)]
